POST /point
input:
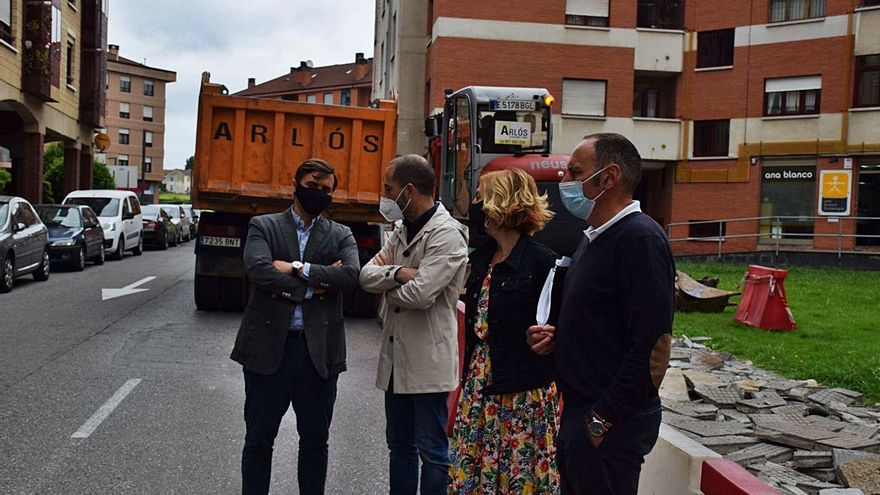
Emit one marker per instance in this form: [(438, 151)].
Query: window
[(148, 139), (793, 10), (867, 93), (654, 97), (125, 84), (792, 95), (148, 114), (122, 160), (581, 97), (345, 97), (148, 164), (715, 48), (788, 189), (711, 137), (870, 3), (312, 99), (148, 88), (328, 98), (592, 13), (290, 97), (6, 21), (123, 136), (70, 53), (661, 14), (126, 208), (124, 110), (703, 230)]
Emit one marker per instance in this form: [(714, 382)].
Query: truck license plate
[(232, 242)]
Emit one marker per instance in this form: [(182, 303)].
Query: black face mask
[(312, 200)]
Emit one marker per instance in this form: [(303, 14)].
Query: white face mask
[(390, 209)]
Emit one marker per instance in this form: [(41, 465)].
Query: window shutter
[(792, 84), (592, 8), (6, 12), (583, 97), (148, 112)]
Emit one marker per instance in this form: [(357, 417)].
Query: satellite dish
[(309, 64)]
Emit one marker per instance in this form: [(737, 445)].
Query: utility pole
[(143, 164)]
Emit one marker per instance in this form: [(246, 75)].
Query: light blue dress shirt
[(302, 233)]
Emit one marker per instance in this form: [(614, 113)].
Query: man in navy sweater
[(612, 345)]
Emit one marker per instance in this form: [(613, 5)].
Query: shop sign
[(834, 192), (789, 174)]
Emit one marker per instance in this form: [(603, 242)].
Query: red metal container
[(763, 303)]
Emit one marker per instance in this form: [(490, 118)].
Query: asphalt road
[(67, 357)]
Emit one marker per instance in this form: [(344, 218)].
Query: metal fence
[(776, 232)]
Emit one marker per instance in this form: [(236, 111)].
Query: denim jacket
[(513, 300)]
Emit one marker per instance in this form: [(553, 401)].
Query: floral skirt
[(503, 444)]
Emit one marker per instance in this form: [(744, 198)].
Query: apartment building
[(136, 120), (739, 109), (342, 84), (52, 71)]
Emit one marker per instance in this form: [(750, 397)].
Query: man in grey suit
[(292, 339)]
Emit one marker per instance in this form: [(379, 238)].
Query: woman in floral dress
[(505, 427)]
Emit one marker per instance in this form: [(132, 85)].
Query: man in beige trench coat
[(419, 271)]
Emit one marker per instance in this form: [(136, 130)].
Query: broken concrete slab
[(809, 459), (847, 392), (841, 456), (862, 473), (861, 431), (728, 443), (674, 387), (829, 398), (734, 415), (850, 442), (691, 409), (761, 402), (698, 379), (761, 452), (710, 428), (721, 397), (841, 491), (786, 476)]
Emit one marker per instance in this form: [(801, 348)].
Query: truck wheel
[(207, 293)]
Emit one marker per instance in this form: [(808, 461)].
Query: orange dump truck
[(247, 151)]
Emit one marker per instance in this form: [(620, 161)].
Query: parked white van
[(120, 215)]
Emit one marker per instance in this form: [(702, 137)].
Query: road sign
[(835, 192)]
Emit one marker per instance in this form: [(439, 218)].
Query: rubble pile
[(798, 436)]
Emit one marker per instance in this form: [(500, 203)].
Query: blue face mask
[(572, 196)]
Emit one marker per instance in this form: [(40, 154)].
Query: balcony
[(659, 51), (37, 63), (661, 14), (867, 36)]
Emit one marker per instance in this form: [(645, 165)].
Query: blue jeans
[(416, 429)]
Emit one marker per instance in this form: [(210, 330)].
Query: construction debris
[(798, 436)]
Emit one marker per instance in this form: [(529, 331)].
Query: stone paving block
[(762, 401), (822, 474), (699, 379), (794, 413), (850, 442), (734, 415), (728, 443), (861, 431), (809, 459), (711, 428), (829, 398), (761, 452), (793, 435), (706, 360), (826, 423), (783, 385), (691, 409), (721, 397), (841, 491), (674, 386), (768, 420), (862, 473), (849, 393), (798, 393), (787, 476)]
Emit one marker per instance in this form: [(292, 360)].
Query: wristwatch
[(597, 426), (297, 267)]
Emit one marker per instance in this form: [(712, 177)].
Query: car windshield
[(172, 211), (150, 212), (104, 207), (57, 216), (4, 212), (508, 131)]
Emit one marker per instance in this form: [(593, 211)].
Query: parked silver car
[(181, 221), (24, 242)]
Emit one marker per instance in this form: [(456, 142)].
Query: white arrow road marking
[(101, 414), (125, 291)]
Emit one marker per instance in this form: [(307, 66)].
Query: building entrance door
[(869, 204)]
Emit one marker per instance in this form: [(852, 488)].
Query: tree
[(189, 163), (53, 172), (5, 178), (102, 179)]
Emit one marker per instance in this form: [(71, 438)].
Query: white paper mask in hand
[(545, 301)]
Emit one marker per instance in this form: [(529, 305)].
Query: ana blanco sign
[(518, 133)]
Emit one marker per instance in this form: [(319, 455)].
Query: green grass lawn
[(172, 198), (837, 340)]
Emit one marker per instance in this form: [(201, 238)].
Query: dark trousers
[(416, 429), (613, 468), (267, 398)]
